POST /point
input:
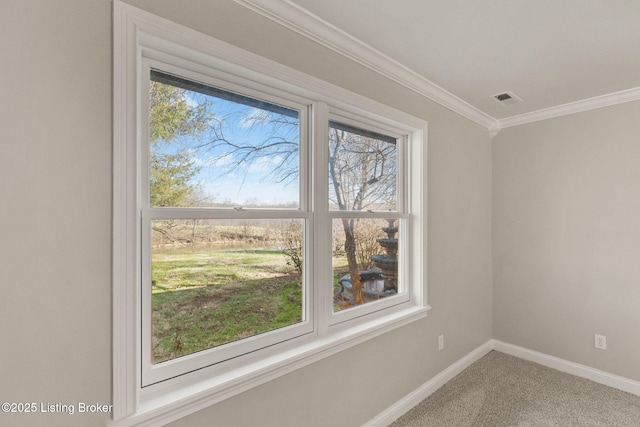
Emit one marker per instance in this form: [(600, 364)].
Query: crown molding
[(299, 20), (607, 100), (295, 18)]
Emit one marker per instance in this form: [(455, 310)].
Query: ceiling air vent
[(507, 98)]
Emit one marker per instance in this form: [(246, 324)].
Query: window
[(225, 219), (262, 219), (365, 182)]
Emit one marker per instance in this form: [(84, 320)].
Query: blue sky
[(220, 178)]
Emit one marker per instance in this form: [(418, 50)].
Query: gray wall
[(567, 237), (55, 202), (55, 169)]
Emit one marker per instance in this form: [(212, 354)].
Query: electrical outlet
[(441, 342), (601, 342)]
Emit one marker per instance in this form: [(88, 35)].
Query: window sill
[(174, 399)]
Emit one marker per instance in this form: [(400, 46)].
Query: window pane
[(370, 248), (362, 169), (211, 147), (218, 281)]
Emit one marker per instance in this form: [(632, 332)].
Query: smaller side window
[(365, 188)]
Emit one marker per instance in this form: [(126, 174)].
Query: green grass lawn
[(206, 298)]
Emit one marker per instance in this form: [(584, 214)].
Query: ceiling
[(558, 56)]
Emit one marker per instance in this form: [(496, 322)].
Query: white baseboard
[(596, 375), (401, 407)]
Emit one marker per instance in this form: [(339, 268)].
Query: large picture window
[(224, 221), (263, 219)]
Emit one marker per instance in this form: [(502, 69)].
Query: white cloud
[(191, 102), (255, 116), (265, 164)]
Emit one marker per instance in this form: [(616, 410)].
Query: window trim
[(155, 373), (137, 33)]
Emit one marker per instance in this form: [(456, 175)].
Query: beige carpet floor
[(501, 390)]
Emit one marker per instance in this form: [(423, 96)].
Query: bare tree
[(362, 167), (362, 172), (279, 143)]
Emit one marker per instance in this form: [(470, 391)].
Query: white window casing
[(146, 394)]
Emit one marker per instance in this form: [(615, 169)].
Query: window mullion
[(306, 160), (401, 190), (322, 226)]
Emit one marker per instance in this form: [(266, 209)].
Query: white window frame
[(139, 39), (325, 218), (154, 373)]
